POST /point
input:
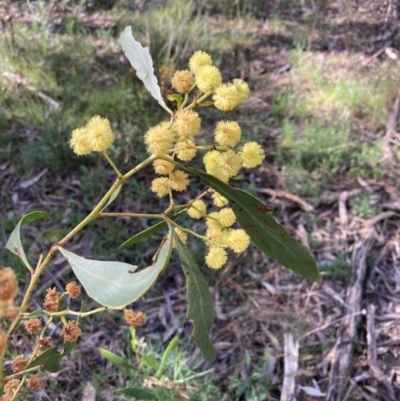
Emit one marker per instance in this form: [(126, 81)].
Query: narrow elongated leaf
[(201, 309), (146, 233), (14, 242), (114, 284), (138, 393), (50, 359), (116, 360), (265, 232), (112, 197), (141, 61), (36, 313)]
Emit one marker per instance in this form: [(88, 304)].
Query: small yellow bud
[(242, 88), (179, 181), (226, 97), (187, 123), (226, 217), (208, 78), (228, 133), (238, 240), (213, 221), (232, 162), (219, 200), (216, 257), (199, 59), (159, 139), (186, 150), (160, 186), (252, 154), (182, 81), (197, 210), (163, 167), (100, 135), (80, 142)]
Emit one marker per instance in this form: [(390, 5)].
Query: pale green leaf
[(114, 284), (14, 242)]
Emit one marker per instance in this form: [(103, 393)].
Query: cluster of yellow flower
[(177, 139), (96, 136)]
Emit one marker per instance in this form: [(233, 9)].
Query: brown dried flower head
[(8, 309), (43, 344), (32, 326), (11, 386), (73, 289), (5, 398), (2, 342), (134, 319), (8, 284), (19, 364), (50, 303), (34, 383), (71, 332), (182, 81)]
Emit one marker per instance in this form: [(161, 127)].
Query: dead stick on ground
[(287, 195), (347, 329), (372, 353), (291, 363)]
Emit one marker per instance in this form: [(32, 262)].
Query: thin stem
[(185, 100), (80, 314), (19, 388), (196, 101), (23, 372), (155, 216), (119, 174), (139, 167)]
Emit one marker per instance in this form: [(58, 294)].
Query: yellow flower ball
[(208, 78), (187, 123), (212, 221), (242, 88), (182, 236), (226, 97), (232, 162), (197, 210), (186, 150), (100, 135), (159, 139), (199, 59), (226, 217), (252, 154), (215, 237), (163, 167), (182, 81), (219, 200), (179, 181), (228, 133), (238, 240), (212, 160), (220, 172), (216, 257), (160, 186), (80, 142)]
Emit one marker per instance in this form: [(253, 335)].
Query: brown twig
[(287, 195), (347, 329), (372, 353)]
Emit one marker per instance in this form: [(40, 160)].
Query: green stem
[(152, 216), (23, 372), (119, 174)]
